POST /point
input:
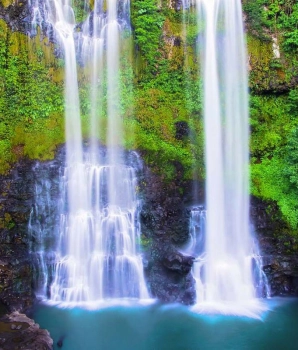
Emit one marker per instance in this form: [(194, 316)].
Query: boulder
[(17, 331)]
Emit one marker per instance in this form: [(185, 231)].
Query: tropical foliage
[(165, 91)]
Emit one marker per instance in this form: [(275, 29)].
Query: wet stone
[(20, 332)]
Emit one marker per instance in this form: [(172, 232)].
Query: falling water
[(97, 255), (44, 225), (197, 232), (228, 276)]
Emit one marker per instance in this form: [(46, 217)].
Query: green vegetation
[(31, 98), (274, 149), (161, 90), (147, 21), (167, 89), (6, 221), (274, 115), (280, 16), (6, 3), (271, 23), (81, 9)]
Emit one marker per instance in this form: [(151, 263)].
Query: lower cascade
[(94, 255), (98, 257), (197, 248)]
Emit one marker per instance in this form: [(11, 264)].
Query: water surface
[(170, 327)]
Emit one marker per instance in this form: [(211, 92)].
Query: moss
[(40, 140), (274, 117), (28, 69), (171, 94), (33, 121), (81, 9), (267, 20), (145, 243), (6, 221), (174, 28), (266, 72), (6, 3), (40, 50)]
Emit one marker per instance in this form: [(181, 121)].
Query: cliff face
[(16, 14), (165, 219), (16, 200), (273, 79), (272, 53), (28, 198), (168, 133), (278, 248)]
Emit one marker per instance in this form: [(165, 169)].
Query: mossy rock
[(6, 3), (267, 73)]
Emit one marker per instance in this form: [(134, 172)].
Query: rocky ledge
[(169, 274), (165, 227), (17, 331), (279, 249)]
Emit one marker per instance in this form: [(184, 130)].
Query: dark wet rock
[(175, 4), (178, 262), (165, 215), (182, 130), (167, 204), (278, 248), (169, 274), (17, 15), (20, 332), (17, 198), (165, 224), (15, 267)]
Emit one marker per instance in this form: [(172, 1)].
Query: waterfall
[(98, 258), (97, 254), (227, 269)]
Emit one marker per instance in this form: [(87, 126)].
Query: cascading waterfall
[(228, 276), (97, 255)]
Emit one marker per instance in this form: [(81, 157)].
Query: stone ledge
[(17, 331)]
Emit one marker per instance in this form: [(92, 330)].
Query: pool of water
[(170, 327)]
